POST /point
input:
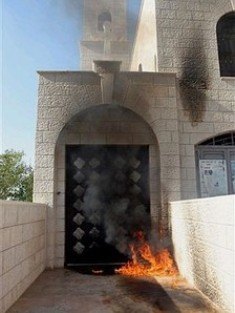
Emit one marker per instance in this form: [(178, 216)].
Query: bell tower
[(105, 33)]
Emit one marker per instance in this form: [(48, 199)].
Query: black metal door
[(98, 177)]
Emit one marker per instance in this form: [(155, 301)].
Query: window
[(104, 17), (216, 166), (227, 139), (226, 44)]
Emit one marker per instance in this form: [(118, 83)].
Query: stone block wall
[(90, 51), (187, 46), (92, 46), (22, 248), (63, 96), (203, 241), (118, 12)]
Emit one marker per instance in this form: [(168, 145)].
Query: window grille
[(215, 159)]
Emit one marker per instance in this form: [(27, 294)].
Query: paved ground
[(63, 291)]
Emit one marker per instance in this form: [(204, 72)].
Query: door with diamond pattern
[(96, 175)]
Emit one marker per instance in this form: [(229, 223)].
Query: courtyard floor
[(65, 291)]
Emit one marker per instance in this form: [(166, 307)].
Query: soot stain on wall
[(194, 80)]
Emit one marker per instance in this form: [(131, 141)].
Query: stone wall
[(90, 51), (187, 46), (203, 241), (92, 45), (146, 40), (64, 95), (22, 248), (118, 12)]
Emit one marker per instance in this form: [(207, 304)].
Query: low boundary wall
[(22, 248), (203, 241)]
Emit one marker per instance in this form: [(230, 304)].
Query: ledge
[(24, 203), (63, 71), (224, 78)]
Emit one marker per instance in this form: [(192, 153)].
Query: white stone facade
[(92, 46), (203, 240), (169, 112), (186, 45), (70, 111)]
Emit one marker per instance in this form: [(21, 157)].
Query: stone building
[(147, 131), (110, 43), (177, 99), (184, 38)]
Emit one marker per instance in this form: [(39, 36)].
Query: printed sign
[(233, 174), (213, 178)]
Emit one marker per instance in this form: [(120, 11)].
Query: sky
[(36, 35)]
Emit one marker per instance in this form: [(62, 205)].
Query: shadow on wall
[(194, 79)]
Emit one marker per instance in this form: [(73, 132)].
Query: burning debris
[(145, 263)]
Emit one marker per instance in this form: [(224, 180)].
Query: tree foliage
[(16, 177)]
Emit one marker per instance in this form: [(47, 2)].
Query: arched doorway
[(100, 150)]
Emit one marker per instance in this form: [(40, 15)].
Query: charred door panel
[(107, 197)]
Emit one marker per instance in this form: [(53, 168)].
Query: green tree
[(16, 177)]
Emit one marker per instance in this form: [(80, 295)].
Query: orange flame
[(144, 262)]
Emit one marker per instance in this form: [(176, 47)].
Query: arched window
[(102, 18), (226, 44), (216, 165)]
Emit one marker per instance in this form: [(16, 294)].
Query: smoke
[(74, 9), (111, 202), (194, 80), (71, 11), (133, 8)]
